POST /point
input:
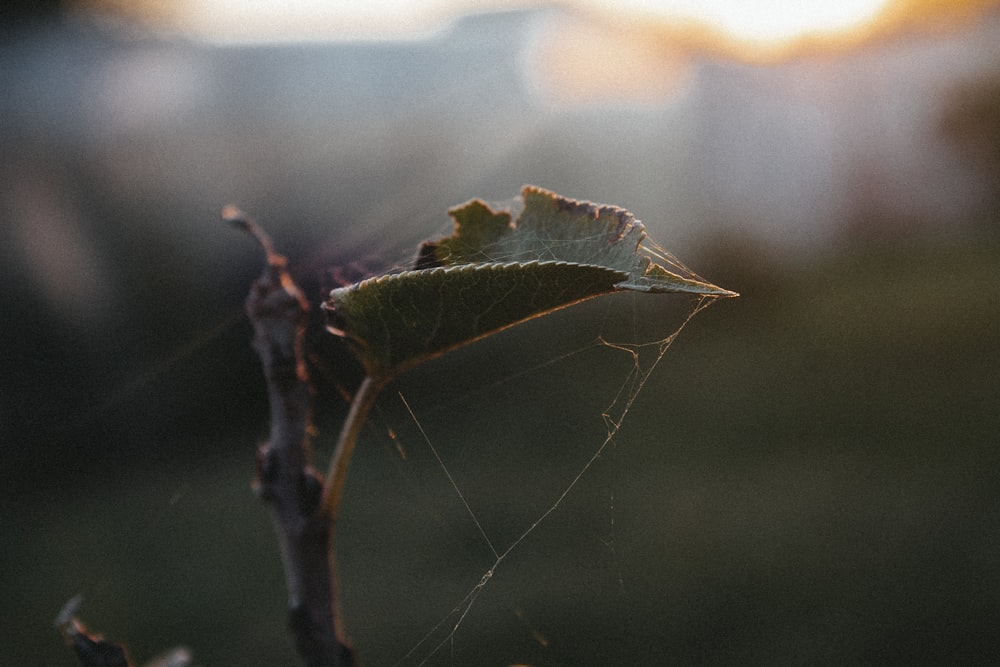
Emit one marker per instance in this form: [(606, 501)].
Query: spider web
[(495, 547), (493, 543)]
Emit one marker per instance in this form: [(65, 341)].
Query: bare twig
[(93, 651), (285, 480)]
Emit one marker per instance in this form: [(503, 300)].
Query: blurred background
[(809, 475)]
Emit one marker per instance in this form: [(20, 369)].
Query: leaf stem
[(336, 476)]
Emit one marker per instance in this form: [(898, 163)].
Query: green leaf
[(496, 271)]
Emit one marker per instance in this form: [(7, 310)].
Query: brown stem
[(336, 476), (285, 480)]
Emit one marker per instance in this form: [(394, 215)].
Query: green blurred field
[(808, 477)]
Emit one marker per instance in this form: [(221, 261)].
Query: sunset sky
[(752, 23)]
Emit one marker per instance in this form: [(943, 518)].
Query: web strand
[(625, 397), (451, 479)]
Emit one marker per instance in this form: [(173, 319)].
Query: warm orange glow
[(770, 30), (578, 61), (929, 14), (751, 30), (757, 21), (748, 28), (606, 51), (639, 51)]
